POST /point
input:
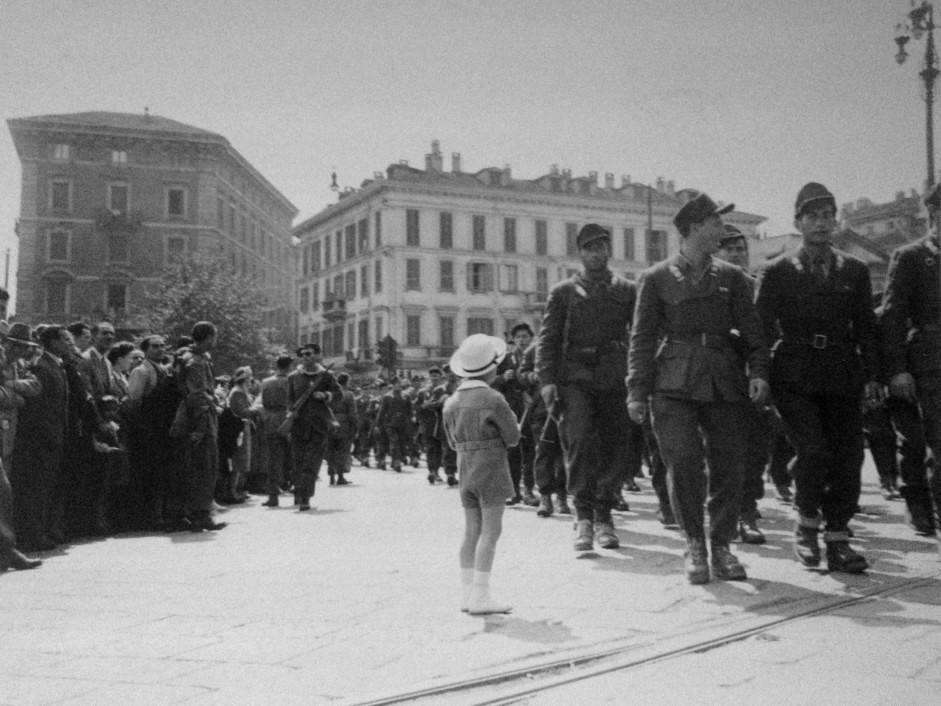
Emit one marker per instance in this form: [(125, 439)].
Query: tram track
[(533, 678)]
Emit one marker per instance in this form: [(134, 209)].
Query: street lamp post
[(920, 20)]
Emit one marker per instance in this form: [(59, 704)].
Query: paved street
[(358, 601)]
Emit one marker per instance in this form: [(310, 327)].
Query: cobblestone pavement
[(358, 600)]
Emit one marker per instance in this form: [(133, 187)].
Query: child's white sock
[(467, 587), (481, 602)]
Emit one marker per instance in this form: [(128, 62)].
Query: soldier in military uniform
[(911, 328), (684, 364), (816, 302), (428, 409), (581, 361), (394, 419)]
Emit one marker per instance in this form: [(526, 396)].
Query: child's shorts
[(485, 485)]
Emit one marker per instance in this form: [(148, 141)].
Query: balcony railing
[(334, 309)]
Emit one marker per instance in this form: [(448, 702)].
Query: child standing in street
[(480, 426)]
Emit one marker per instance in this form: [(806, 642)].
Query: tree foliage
[(203, 287)]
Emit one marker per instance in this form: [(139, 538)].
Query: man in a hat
[(16, 384), (581, 361), (393, 418), (816, 304), (684, 369), (911, 329), (733, 248), (274, 406), (429, 404), (310, 389), (340, 441)]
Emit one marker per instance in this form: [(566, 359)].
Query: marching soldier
[(683, 359), (911, 327), (581, 361), (816, 302)]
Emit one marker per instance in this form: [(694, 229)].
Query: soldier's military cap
[(697, 210), (591, 232), (933, 197), (812, 193), (731, 233)]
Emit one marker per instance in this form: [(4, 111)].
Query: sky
[(746, 100)]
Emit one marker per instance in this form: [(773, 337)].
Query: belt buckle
[(819, 341)]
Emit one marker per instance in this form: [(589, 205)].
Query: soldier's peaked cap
[(698, 209), (812, 193), (591, 232)]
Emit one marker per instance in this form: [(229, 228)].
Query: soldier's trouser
[(548, 464), (339, 455), (592, 432), (398, 443), (448, 459), (658, 469), (433, 451), (381, 440), (520, 459), (691, 435), (278, 462), (308, 456), (919, 432), (781, 454), (203, 460), (758, 440), (827, 434), (881, 438)]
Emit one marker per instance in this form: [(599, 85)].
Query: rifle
[(285, 428)]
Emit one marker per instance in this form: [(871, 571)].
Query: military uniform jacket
[(395, 410), (825, 331), (344, 411), (314, 417), (911, 310), (584, 334), (274, 403), (683, 343)]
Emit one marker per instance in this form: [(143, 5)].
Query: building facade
[(109, 200), (430, 256)]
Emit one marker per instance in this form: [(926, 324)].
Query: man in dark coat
[(38, 483), (816, 303), (581, 361), (394, 420), (340, 440), (429, 404), (310, 389), (274, 408), (683, 360), (911, 328)]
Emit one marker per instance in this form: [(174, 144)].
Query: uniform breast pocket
[(672, 371)]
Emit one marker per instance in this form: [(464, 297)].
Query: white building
[(430, 256)]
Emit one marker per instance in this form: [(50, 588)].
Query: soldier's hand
[(902, 386), (549, 393), (637, 411), (509, 375), (319, 395), (759, 391)]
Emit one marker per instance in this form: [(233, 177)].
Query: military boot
[(748, 530), (605, 536), (697, 561), (545, 506), (842, 557), (918, 510), (724, 564), (564, 508), (584, 536), (806, 546), (529, 499), (272, 501)]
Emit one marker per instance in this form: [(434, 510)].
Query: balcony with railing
[(334, 309)]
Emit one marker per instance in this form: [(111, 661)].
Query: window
[(480, 233), (377, 279), (117, 299), (480, 277), (305, 261), (446, 331), (447, 237), (327, 342), (315, 258), (57, 296), (118, 157), (118, 247), (61, 152), (629, 244), (220, 213), (510, 280), (479, 325), (326, 252), (315, 296), (413, 330), (363, 281), (363, 342), (176, 202), (350, 241), (446, 279), (542, 238), (378, 328), (656, 245), (351, 285), (60, 246), (378, 228), (571, 239), (509, 235), (338, 287), (338, 339), (118, 198), (412, 274), (542, 280), (304, 300), (363, 227), (412, 234), (350, 331), (243, 228), (175, 251), (232, 219), (60, 195)]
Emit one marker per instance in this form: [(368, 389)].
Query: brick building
[(110, 199)]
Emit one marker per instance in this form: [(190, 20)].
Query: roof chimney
[(609, 180), (625, 180), (593, 177), (671, 188), (660, 184), (434, 161), (456, 162), (554, 169)]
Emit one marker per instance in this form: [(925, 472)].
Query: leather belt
[(704, 339), (820, 341)]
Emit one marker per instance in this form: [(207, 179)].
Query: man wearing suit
[(38, 483), (15, 386), (816, 303)]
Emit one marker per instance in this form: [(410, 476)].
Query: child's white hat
[(477, 355)]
